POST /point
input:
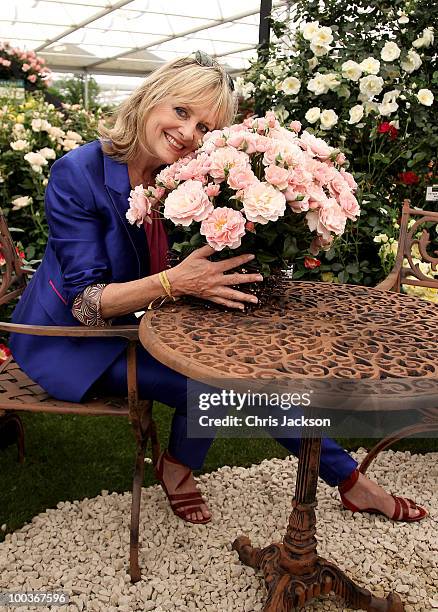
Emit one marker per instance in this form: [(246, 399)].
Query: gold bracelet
[(166, 284)]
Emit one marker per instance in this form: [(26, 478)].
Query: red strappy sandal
[(191, 502), (402, 504)]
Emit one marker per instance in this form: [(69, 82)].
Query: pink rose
[(241, 178), (155, 193), (262, 143), (349, 204), (32, 78), (139, 207), (300, 205), (25, 67), (337, 184), (212, 190), (277, 176), (187, 203), (166, 178), (327, 219), (349, 178), (323, 173), (341, 159), (243, 140), (222, 160), (262, 203), (315, 145), (295, 126), (195, 169), (225, 227), (271, 119), (300, 176), (283, 152)]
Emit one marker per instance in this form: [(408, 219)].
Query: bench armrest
[(130, 332)]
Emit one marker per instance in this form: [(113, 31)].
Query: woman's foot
[(359, 493), (180, 487)]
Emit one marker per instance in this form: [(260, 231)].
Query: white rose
[(313, 114), (69, 145), (351, 70), (55, 132), (419, 42), (312, 63), (390, 52), (244, 89), (319, 50), (411, 62), (277, 70), (21, 202), (290, 86), (18, 128), (248, 90), (428, 36), (73, 136), (328, 119), (309, 29), (36, 160), (370, 65), (40, 125), (20, 145), (318, 85), (331, 80), (425, 96), (371, 85), (47, 153), (380, 238), (323, 36), (387, 108), (403, 19), (356, 113), (395, 123), (391, 96), (425, 40)]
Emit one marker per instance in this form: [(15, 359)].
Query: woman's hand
[(199, 276)]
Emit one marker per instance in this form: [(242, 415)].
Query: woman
[(98, 269)]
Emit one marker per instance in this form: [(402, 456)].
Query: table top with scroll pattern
[(315, 330)]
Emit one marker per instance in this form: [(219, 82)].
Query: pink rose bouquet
[(248, 188)]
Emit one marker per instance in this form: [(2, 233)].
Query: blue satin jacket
[(90, 241)]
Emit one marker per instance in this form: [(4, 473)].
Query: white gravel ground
[(82, 546)]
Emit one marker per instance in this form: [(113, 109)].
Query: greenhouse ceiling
[(131, 37)]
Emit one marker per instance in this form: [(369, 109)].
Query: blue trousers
[(158, 382)]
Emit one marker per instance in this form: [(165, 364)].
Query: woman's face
[(174, 129)]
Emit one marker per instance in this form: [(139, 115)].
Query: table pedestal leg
[(294, 573)]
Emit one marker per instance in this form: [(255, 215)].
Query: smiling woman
[(98, 269)]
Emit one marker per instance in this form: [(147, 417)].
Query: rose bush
[(32, 136), (23, 65), (363, 76)]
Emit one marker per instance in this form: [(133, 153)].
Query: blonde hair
[(185, 79)]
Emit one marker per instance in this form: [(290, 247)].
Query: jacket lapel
[(118, 188)]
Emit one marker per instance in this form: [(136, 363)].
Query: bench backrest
[(13, 274), (411, 274)]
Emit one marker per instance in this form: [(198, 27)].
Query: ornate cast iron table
[(316, 331)]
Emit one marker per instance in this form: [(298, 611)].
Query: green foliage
[(71, 91), (379, 155)]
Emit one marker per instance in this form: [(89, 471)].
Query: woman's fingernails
[(254, 300), (259, 277), (251, 257)]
